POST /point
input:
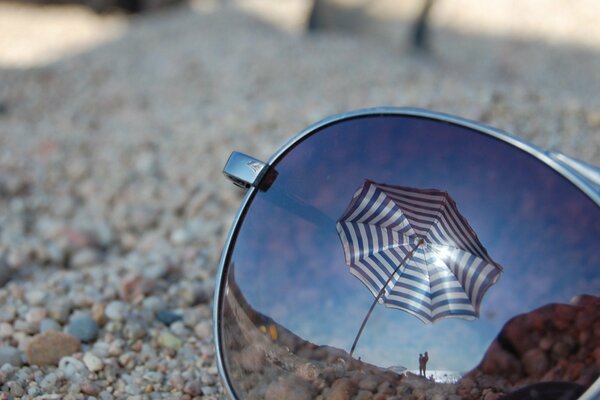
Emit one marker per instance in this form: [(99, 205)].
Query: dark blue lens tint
[(292, 304)]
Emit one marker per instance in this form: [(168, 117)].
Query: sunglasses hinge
[(244, 171)]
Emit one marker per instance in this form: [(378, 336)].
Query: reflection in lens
[(290, 309)]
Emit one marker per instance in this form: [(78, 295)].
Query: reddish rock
[(134, 286), (49, 347), (90, 388), (498, 361), (364, 395), (556, 342), (563, 316), (535, 363), (584, 320), (574, 371), (518, 335), (289, 388), (562, 349), (307, 371), (342, 389), (369, 383), (465, 386), (252, 358)]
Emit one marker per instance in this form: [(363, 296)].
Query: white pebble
[(116, 310), (92, 362)]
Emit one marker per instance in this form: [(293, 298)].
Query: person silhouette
[(424, 361), (420, 364)]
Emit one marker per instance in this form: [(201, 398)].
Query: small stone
[(203, 330), (10, 355), (7, 313), (48, 324), (288, 388), (35, 315), (83, 327), (84, 257), (116, 310), (90, 388), (153, 304), (363, 395), (92, 362), (168, 340), (59, 310), (134, 286), (252, 358), (15, 389), (307, 371), (209, 390), (181, 236), (35, 297), (49, 381), (193, 388), (98, 313), (24, 326), (134, 330), (179, 329), (168, 317), (369, 383), (156, 271), (22, 339), (71, 366), (49, 347), (535, 363), (6, 330)]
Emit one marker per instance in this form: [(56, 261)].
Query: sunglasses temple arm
[(588, 173), (289, 202)]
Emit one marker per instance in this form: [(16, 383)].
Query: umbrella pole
[(362, 326)]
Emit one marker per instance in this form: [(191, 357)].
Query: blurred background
[(116, 117)]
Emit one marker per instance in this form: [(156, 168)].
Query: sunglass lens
[(479, 262)]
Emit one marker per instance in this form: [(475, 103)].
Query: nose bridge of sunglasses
[(246, 171)]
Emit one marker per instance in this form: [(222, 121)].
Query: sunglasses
[(403, 253)]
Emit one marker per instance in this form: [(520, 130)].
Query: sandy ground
[(113, 133)]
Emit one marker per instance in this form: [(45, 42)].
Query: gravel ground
[(113, 209)]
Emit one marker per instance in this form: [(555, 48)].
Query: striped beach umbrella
[(415, 252)]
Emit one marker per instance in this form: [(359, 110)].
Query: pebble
[(98, 313), (168, 340), (71, 367), (193, 388), (179, 329), (35, 315), (59, 310), (7, 313), (289, 389), (92, 362), (203, 330), (90, 388), (168, 317), (116, 310), (83, 327), (6, 330), (153, 304), (10, 355), (36, 297), (84, 258), (49, 347), (15, 389)]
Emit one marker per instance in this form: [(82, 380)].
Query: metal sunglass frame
[(248, 172)]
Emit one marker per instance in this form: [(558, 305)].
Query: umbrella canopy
[(415, 252)]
